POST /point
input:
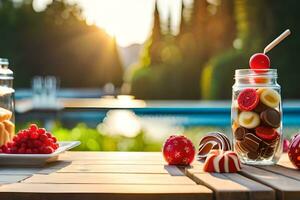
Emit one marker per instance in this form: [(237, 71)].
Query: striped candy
[(213, 140), (222, 162)]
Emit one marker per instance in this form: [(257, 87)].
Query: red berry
[(33, 127), (35, 150), (54, 146), (48, 142), (21, 150), (43, 137), (41, 131), (178, 150), (248, 99), (54, 139), (47, 150), (49, 135), (23, 145), (259, 61), (34, 135), (266, 133), (9, 144), (29, 144), (14, 150), (37, 143), (16, 138), (28, 151), (33, 140)]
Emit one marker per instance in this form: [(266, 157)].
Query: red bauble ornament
[(286, 144), (294, 151), (178, 150)]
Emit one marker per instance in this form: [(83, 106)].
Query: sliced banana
[(2, 134), (10, 128), (270, 98), (4, 114), (249, 119), (235, 125)]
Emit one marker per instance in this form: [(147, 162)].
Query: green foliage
[(217, 77), (256, 26), (177, 61), (92, 140), (57, 42)]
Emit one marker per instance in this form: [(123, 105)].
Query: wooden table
[(137, 175)]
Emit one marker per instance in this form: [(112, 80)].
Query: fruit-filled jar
[(7, 127), (256, 116)]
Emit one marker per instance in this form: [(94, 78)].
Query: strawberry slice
[(248, 99), (266, 133)]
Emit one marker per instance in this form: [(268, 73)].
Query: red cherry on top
[(259, 61)]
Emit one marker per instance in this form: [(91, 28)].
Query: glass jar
[(256, 116), (7, 119)]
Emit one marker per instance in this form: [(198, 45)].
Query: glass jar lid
[(243, 73), (4, 70)]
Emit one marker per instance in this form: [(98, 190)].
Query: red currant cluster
[(33, 140)]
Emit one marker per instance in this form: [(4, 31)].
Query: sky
[(130, 21)]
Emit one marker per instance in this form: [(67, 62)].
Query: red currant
[(41, 131), (37, 143), (43, 137), (28, 151), (259, 61), (33, 127), (35, 151), (21, 150), (33, 140), (34, 135), (54, 139), (49, 135), (47, 150)]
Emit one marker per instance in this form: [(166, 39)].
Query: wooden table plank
[(103, 191), (118, 162), (94, 178), (286, 188), (145, 156), (19, 170), (5, 179), (230, 186), (136, 169)]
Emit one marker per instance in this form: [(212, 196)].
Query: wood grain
[(228, 186), (5, 179), (103, 191), (96, 178), (286, 188), (133, 169)]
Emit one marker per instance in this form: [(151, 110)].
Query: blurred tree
[(256, 26), (57, 42), (156, 39), (206, 29)]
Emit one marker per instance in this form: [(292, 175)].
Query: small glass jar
[(7, 105), (256, 116)]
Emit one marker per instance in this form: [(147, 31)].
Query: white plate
[(36, 159)]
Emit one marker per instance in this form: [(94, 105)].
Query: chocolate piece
[(260, 108), (213, 141), (240, 133), (250, 145), (271, 118), (253, 155), (268, 147), (239, 148), (268, 152)]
